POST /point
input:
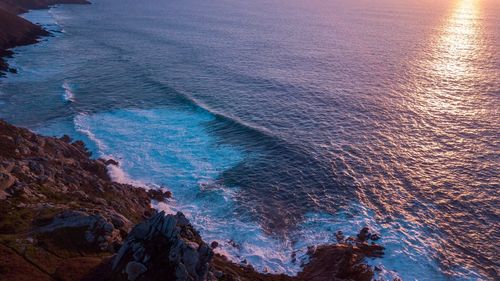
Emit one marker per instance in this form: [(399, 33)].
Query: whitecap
[(68, 94), (172, 148)]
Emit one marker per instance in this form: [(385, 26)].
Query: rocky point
[(62, 218)]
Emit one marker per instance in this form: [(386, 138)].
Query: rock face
[(58, 206), (336, 262), (163, 248), (62, 218), (16, 31)]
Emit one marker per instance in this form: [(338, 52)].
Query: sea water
[(277, 123)]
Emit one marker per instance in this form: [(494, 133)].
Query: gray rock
[(159, 244), (176, 251), (190, 259), (134, 270), (71, 219), (108, 227), (36, 168), (139, 254), (123, 250), (169, 227), (141, 231), (181, 219), (181, 273)]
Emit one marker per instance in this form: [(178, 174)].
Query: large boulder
[(165, 247)]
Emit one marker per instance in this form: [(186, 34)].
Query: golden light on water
[(451, 69), (459, 41)]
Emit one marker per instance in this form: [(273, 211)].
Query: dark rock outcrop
[(16, 31), (62, 218), (334, 262), (159, 195), (163, 248), (169, 248), (58, 206)]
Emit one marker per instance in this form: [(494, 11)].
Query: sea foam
[(172, 148), (68, 95)]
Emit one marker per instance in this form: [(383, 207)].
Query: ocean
[(277, 123)]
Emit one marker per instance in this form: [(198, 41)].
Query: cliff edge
[(16, 31), (63, 218)]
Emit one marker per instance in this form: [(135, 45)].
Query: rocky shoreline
[(63, 218), (16, 31)]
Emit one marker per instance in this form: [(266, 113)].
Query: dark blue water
[(277, 123)]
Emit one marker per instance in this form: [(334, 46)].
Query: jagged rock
[(70, 218), (111, 162), (170, 255), (364, 234), (66, 138), (36, 168), (159, 194), (339, 235), (134, 270)]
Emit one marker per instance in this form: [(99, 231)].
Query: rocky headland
[(63, 218), (16, 31)]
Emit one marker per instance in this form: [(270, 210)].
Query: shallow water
[(277, 123)]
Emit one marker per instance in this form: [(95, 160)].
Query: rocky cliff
[(62, 218), (16, 31), (60, 214)]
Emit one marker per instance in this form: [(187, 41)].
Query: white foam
[(68, 95), (82, 127), (45, 17), (172, 148), (115, 172)]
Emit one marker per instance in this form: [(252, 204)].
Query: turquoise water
[(277, 123)]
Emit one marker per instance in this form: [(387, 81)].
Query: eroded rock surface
[(16, 31), (62, 218), (163, 247), (57, 205)]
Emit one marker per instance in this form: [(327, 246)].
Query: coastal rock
[(16, 31), (162, 248), (364, 234), (159, 195), (134, 270), (52, 194), (62, 218), (111, 162)]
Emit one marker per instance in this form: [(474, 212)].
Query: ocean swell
[(174, 149)]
